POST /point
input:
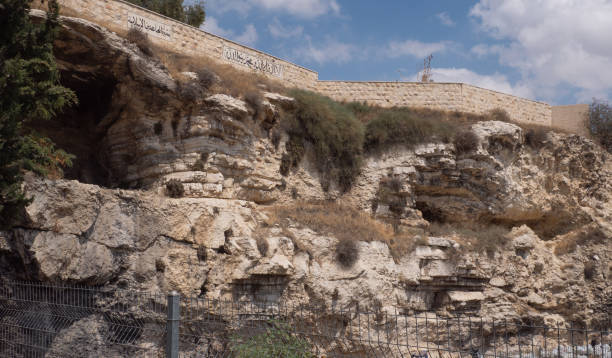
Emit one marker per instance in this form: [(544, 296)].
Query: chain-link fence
[(42, 320)]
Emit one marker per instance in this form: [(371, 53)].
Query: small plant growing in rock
[(262, 246), (285, 164), (202, 253), (206, 78), (275, 341), (255, 100), (536, 137), (589, 270), (347, 253), (465, 142), (190, 91), (158, 128), (499, 114), (275, 138), (175, 188), (294, 193), (293, 156), (201, 162), (160, 265), (141, 40)]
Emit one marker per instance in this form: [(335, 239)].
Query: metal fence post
[(172, 326)]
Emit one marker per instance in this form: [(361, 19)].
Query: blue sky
[(558, 51)]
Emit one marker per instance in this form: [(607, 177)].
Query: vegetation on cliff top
[(341, 133), (600, 123), (193, 15), (29, 91)]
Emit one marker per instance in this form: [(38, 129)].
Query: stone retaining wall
[(119, 16), (572, 118), (444, 96)]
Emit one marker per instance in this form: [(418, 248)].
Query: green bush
[(465, 141), (175, 189), (536, 137), (276, 341), (347, 253), (600, 123), (333, 131), (404, 126)]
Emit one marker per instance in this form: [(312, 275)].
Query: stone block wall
[(119, 16), (444, 96), (571, 118), (480, 100)]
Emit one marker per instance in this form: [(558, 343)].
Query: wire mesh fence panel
[(229, 328), (39, 320)]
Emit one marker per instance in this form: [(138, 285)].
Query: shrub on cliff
[(465, 141), (499, 114), (175, 189), (404, 126), (600, 123), (141, 40), (29, 91), (334, 133)]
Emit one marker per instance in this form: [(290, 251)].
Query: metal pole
[(172, 326)]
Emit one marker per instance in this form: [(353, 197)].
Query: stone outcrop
[(117, 227)]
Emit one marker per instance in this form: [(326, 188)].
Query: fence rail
[(43, 320)]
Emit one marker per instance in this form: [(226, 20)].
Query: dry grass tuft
[(141, 40), (465, 141), (474, 237), (498, 114), (535, 136), (343, 223), (217, 77), (569, 243)]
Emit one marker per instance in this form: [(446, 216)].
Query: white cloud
[(445, 19), (554, 44), (330, 50), (248, 37), (211, 25), (415, 48), (277, 30), (300, 8)]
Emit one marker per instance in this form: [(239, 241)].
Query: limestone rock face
[(556, 200)]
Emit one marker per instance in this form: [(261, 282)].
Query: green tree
[(193, 15), (600, 123), (29, 91)]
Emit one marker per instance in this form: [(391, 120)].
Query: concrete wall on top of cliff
[(120, 16), (170, 34), (435, 95), (571, 118)]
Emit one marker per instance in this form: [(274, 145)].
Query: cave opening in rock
[(77, 130)]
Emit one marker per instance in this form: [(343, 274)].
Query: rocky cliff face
[(116, 225)]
